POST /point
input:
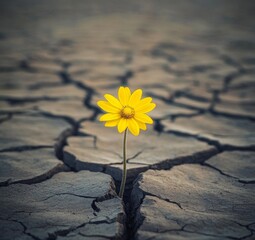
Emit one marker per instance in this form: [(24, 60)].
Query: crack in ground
[(66, 78), (6, 118), (24, 148), (136, 211), (95, 139), (172, 117), (164, 199), (71, 194), (133, 212), (227, 175), (139, 153), (58, 146), (64, 232), (125, 77), (230, 77), (26, 66), (95, 236), (158, 126), (24, 229), (210, 109), (248, 228), (62, 140), (166, 164), (38, 179), (17, 100), (197, 158), (230, 115), (215, 143), (218, 170), (247, 181), (231, 61), (158, 52), (171, 101), (215, 100)]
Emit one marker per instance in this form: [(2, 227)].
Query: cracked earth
[(190, 176)]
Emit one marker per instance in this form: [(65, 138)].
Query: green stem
[(124, 174)]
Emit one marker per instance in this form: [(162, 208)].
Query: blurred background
[(184, 52)]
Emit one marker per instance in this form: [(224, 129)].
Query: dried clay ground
[(191, 175)]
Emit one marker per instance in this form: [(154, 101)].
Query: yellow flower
[(127, 112)]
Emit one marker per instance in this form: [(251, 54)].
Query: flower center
[(127, 112)]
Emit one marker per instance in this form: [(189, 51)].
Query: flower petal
[(109, 117), (107, 107), (145, 108), (143, 102), (133, 127), (128, 93), (112, 123), (122, 125), (143, 118), (113, 100), (135, 97), (124, 95), (141, 125)]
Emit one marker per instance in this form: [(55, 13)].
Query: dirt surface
[(190, 176)]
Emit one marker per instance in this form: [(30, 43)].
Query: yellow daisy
[(129, 111)]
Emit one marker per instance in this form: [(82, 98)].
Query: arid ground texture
[(191, 175)]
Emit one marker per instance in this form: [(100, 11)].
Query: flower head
[(129, 111)]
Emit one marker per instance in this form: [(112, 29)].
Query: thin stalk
[(124, 174)]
